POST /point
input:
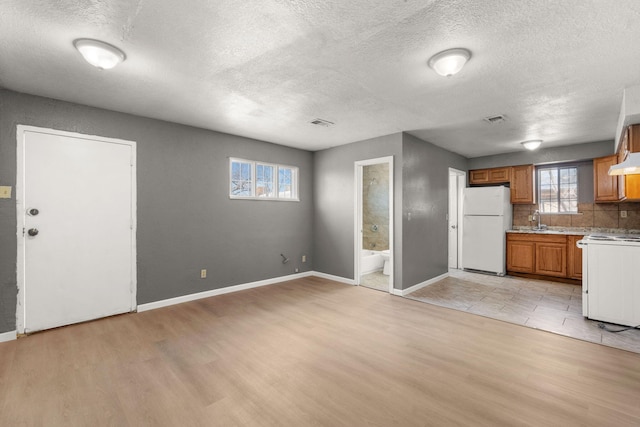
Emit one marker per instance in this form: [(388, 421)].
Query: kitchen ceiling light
[(99, 54), (630, 166), (449, 62), (532, 145)]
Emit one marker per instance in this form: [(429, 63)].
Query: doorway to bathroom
[(373, 241), (457, 182)]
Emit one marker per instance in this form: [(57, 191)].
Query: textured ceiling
[(265, 68)]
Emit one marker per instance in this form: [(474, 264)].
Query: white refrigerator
[(486, 218)]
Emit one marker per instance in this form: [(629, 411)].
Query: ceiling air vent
[(321, 122), (495, 119)]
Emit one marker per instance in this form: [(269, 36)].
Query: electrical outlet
[(297, 269), (623, 214), (203, 273), (5, 192), (530, 218), (304, 258)]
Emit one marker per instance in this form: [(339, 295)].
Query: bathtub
[(370, 261)]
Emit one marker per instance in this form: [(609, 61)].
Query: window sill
[(264, 199)]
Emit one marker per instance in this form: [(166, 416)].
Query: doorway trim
[(357, 239), (461, 184), (21, 130)]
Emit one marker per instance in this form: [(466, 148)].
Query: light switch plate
[(5, 192)]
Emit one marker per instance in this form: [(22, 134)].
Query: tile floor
[(376, 280), (550, 306)]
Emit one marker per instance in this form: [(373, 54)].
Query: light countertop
[(573, 231)]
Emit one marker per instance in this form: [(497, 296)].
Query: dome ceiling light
[(449, 62), (99, 54), (532, 145)]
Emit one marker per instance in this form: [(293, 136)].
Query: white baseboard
[(403, 292), (220, 291), (8, 336), (334, 278)]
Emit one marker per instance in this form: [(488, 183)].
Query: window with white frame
[(251, 179), (558, 189)]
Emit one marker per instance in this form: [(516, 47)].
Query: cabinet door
[(551, 259), (574, 258), (523, 185), (633, 138), (631, 182), (605, 186), (480, 176), (622, 154), (497, 175), (520, 256)]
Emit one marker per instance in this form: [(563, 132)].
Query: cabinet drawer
[(532, 237)]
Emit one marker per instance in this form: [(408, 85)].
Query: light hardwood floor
[(313, 352)]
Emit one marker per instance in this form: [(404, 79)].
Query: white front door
[(76, 218)]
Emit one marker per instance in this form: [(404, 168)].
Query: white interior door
[(78, 249), (456, 184), (453, 220)]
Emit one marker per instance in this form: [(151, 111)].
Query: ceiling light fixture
[(449, 62), (99, 54), (631, 165), (532, 145)]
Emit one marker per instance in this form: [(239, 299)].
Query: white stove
[(611, 278)]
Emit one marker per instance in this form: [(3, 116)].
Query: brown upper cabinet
[(523, 189), (605, 186), (622, 187), (630, 144), (489, 176), (520, 179)]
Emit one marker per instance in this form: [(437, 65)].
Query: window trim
[(276, 197), (557, 167)]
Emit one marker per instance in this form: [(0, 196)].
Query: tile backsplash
[(598, 215)]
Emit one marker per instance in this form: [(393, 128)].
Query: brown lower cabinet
[(553, 255)]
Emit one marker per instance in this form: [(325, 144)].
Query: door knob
[(33, 232), (33, 212), (453, 226)]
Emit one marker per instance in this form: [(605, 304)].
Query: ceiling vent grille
[(495, 119), (321, 122)]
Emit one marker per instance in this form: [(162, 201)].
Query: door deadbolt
[(33, 232), (33, 212)]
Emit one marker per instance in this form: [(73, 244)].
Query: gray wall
[(569, 153), (186, 220), (421, 174), (425, 195), (573, 154), (334, 191)]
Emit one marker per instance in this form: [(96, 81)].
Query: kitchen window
[(558, 189), (251, 179)]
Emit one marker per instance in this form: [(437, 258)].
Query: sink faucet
[(536, 216)]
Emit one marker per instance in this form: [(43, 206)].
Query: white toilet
[(387, 267)]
